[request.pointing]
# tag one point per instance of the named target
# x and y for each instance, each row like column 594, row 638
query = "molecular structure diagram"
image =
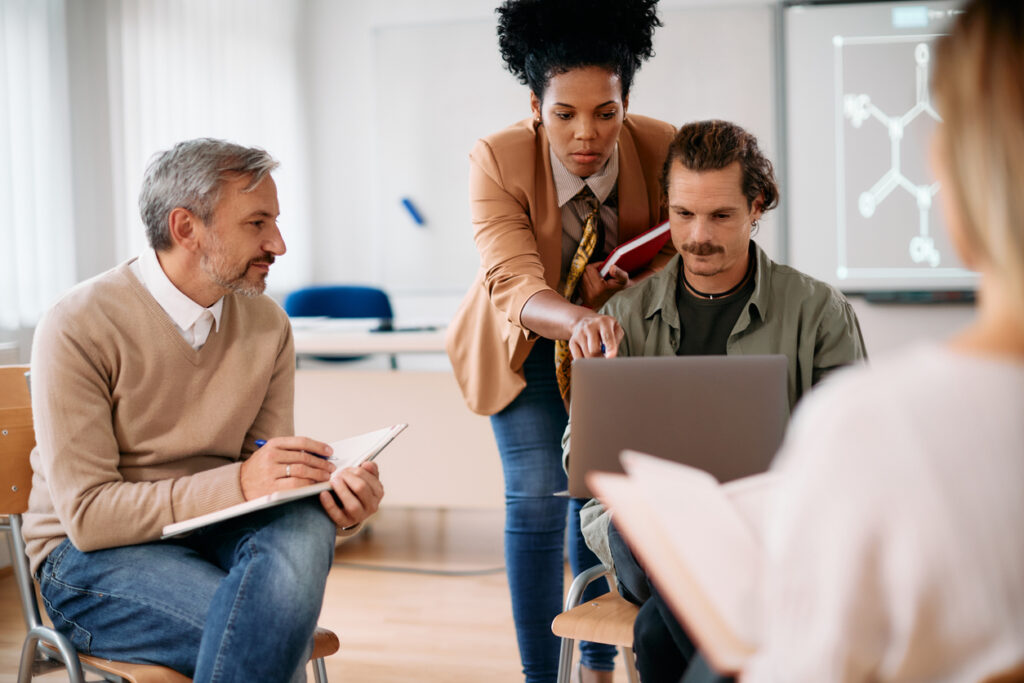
column 858, row 109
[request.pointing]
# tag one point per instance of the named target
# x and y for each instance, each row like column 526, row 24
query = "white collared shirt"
column 602, row 184
column 193, row 321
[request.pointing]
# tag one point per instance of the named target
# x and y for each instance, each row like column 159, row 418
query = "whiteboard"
column 865, row 210
column 441, row 86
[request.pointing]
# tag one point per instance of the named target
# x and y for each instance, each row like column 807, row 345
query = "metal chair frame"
column 573, row 602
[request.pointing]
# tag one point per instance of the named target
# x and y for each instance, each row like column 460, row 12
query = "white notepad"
column 347, row 453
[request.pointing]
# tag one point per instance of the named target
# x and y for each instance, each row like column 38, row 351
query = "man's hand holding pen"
column 292, row 461
column 285, row 462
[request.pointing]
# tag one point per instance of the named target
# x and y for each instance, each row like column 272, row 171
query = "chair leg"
column 319, row 671
column 565, row 660
column 66, row 650
column 630, row 661
column 572, row 599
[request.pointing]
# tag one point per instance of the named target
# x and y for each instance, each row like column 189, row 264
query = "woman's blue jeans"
column 529, row 435
column 237, row 601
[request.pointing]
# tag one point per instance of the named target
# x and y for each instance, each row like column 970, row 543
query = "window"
column 172, row 71
column 37, row 237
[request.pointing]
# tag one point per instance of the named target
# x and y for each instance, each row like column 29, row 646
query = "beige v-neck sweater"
column 135, row 429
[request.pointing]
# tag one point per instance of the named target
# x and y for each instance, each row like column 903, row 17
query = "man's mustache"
column 702, row 248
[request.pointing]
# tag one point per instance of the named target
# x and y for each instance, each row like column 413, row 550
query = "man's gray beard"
column 239, row 285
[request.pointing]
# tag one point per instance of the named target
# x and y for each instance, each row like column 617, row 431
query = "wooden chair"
column 608, row 619
column 44, row 648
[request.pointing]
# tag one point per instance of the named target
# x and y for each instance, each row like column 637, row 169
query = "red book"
column 635, row 254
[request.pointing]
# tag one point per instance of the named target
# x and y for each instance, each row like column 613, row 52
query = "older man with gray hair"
column 152, row 384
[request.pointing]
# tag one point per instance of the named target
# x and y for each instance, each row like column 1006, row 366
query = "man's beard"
column 215, row 264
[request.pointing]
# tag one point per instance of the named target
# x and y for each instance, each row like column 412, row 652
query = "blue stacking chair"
column 342, row 301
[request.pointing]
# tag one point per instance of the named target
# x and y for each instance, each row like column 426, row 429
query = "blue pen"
column 260, row 443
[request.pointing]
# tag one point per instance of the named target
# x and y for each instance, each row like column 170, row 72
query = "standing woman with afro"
column 564, row 186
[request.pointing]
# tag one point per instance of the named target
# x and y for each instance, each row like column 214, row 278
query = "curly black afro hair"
column 542, row 38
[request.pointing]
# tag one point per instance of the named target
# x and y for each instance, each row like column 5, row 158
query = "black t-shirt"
column 706, row 323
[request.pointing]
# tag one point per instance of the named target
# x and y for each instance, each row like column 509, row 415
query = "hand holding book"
column 701, row 542
column 636, row 254
column 595, row 289
column 346, row 453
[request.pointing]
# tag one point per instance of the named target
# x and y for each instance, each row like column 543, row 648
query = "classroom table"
column 447, row 458
column 357, row 337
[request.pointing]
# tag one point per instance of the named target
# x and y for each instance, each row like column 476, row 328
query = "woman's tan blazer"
column 517, row 226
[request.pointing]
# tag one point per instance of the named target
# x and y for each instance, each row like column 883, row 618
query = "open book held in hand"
column 347, row 453
column 638, row 252
column 701, row 543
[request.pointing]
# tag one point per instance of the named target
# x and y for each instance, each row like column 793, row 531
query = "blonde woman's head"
column 978, row 85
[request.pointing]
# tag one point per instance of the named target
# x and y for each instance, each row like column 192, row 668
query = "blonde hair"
column 978, row 84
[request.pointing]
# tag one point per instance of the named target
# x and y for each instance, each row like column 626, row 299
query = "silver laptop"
column 723, row 414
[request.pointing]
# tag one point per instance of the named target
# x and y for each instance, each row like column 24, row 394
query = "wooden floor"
column 421, row 597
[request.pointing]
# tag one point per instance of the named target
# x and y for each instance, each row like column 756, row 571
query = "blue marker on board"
column 411, row 208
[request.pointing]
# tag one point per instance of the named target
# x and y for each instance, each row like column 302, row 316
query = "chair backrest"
column 17, row 439
column 339, row 301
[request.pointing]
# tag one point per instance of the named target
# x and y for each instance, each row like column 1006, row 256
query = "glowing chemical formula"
column 858, row 109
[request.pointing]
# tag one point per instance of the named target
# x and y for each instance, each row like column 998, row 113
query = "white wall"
column 887, row 327
column 343, row 113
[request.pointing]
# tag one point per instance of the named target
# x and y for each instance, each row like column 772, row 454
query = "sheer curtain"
column 173, row 71
column 36, row 231
column 200, row 68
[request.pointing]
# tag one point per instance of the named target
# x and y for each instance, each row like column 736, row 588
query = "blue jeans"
column 237, row 601
column 529, row 435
